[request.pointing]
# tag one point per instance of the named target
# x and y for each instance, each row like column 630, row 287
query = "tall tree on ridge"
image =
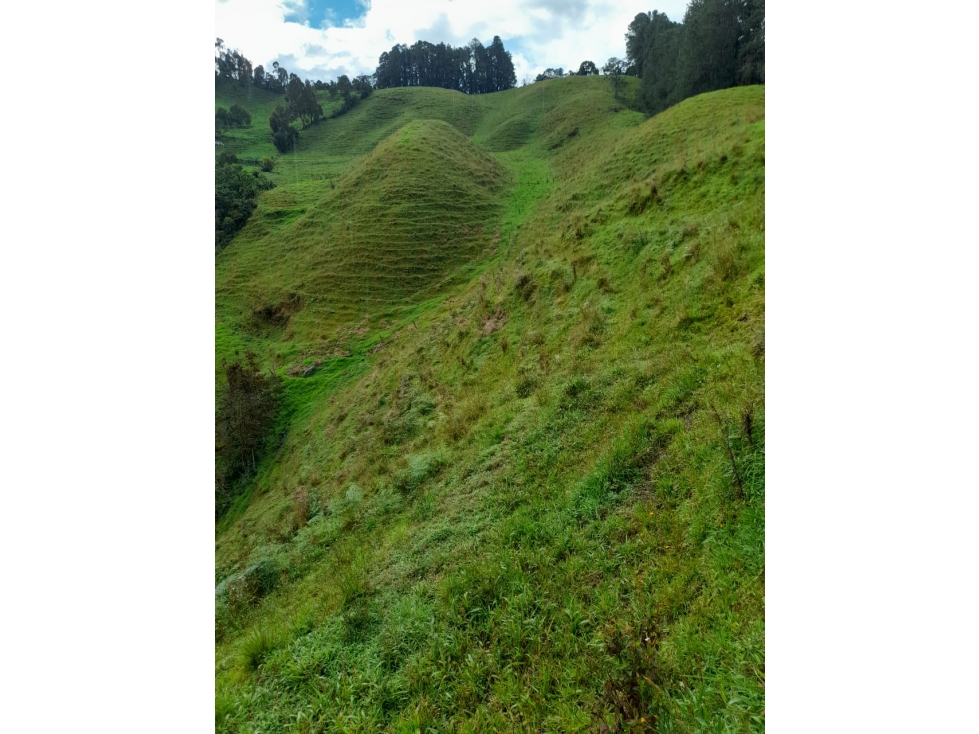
column 751, row 42
column 636, row 41
column 659, row 87
column 614, row 69
column 708, row 51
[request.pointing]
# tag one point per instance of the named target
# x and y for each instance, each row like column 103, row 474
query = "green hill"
column 424, row 200
column 524, row 487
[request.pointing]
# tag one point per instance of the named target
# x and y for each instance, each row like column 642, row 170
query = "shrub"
column 245, row 419
column 235, row 191
column 268, row 164
column 222, row 120
column 238, row 116
column 284, row 135
column 285, row 138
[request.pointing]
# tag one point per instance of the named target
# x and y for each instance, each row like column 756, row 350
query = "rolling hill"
column 521, row 487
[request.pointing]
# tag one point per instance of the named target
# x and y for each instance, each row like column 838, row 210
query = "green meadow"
column 521, row 486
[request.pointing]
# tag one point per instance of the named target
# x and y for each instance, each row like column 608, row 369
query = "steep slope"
column 538, row 504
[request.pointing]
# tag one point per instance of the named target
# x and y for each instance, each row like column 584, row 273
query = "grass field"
column 524, row 488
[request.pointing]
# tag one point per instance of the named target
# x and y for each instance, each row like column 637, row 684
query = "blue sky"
column 324, row 13
column 321, row 39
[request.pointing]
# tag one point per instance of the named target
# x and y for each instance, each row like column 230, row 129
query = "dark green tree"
column 284, row 135
column 708, row 49
column 636, row 41
column 344, row 87
column 222, row 119
column 476, row 68
column 273, row 82
column 501, row 73
column 587, row 68
column 222, row 69
column 239, row 117
column 362, row 85
column 235, row 191
column 243, row 70
column 279, row 118
column 751, row 42
column 301, row 102
column 614, row 69
column 549, row 74
column 285, row 138
column 659, row 87
column 244, row 423
column 345, row 90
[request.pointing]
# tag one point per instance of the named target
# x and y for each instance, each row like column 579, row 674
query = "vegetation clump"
column 246, row 415
column 237, row 116
column 719, row 44
column 472, row 69
column 235, row 191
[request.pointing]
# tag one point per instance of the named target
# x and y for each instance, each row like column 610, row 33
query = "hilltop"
column 522, row 484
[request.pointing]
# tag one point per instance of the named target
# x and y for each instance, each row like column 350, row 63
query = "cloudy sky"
column 321, row 39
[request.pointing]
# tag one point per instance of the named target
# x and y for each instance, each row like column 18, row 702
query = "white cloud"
column 539, row 33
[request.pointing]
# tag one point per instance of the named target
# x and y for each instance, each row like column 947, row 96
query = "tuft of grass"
column 257, row 646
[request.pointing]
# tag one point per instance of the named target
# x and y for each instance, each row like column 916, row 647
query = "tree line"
column 301, row 104
column 231, row 65
column 300, row 95
column 587, row 68
column 719, row 44
column 472, row 69
column 237, row 116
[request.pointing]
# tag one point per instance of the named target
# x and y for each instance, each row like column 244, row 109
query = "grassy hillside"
column 422, row 201
column 258, row 298
column 524, row 490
